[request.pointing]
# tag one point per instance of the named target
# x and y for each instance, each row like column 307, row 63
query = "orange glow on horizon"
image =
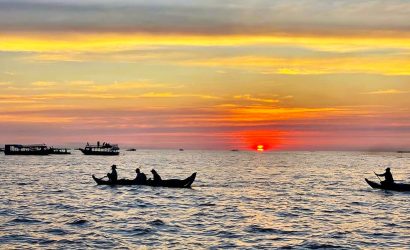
column 263, row 140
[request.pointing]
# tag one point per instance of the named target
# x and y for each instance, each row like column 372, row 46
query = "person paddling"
column 141, row 178
column 113, row 176
column 388, row 177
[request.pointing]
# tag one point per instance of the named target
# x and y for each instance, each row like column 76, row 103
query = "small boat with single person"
column 401, row 187
column 101, row 149
column 173, row 183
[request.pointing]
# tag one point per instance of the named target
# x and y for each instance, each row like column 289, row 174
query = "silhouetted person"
column 141, row 178
column 388, row 177
column 113, row 176
column 157, row 179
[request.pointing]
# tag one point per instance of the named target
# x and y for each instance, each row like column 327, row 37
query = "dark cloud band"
column 208, row 17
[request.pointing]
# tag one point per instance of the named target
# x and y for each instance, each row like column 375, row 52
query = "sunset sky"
column 209, row 74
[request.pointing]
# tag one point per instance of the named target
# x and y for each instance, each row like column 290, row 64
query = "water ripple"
column 78, row 222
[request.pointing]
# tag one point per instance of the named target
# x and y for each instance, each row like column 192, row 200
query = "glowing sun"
column 259, row 148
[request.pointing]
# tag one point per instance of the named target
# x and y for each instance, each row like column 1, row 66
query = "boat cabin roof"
column 112, row 146
column 27, row 146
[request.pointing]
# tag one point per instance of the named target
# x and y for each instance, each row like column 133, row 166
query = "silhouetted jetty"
column 101, row 149
column 33, row 149
column 403, row 151
column 131, row 149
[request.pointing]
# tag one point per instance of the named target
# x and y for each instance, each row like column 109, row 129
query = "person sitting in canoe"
column 157, row 179
column 141, row 178
column 388, row 177
column 113, row 176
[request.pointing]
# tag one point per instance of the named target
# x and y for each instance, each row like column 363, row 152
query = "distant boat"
column 33, row 149
column 131, row 149
column 181, row 149
column 101, row 149
column 234, row 150
column 59, row 151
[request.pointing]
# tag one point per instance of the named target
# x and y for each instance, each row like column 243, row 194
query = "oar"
column 377, row 176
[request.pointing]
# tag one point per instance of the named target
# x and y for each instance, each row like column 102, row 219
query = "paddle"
column 102, row 177
column 377, row 176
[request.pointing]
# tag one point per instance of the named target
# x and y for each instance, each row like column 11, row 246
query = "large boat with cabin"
column 19, row 149
column 101, row 149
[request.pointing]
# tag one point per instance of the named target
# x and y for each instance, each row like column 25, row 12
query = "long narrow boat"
column 33, row 149
column 401, row 187
column 174, row 183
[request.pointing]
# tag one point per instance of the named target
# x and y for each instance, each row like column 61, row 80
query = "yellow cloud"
column 254, row 99
column 173, row 95
column 128, row 86
column 280, row 65
column 43, row 84
column 117, row 42
column 80, row 83
column 387, row 92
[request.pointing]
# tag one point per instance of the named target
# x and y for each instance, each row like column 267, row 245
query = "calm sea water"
column 291, row 200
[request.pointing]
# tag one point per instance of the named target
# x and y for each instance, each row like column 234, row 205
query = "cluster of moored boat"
column 43, row 149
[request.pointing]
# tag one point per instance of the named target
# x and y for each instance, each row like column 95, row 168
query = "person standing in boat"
column 141, row 178
column 113, row 176
column 388, row 177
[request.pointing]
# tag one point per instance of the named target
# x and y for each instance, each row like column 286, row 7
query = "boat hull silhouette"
column 92, row 152
column 400, row 187
column 174, row 183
